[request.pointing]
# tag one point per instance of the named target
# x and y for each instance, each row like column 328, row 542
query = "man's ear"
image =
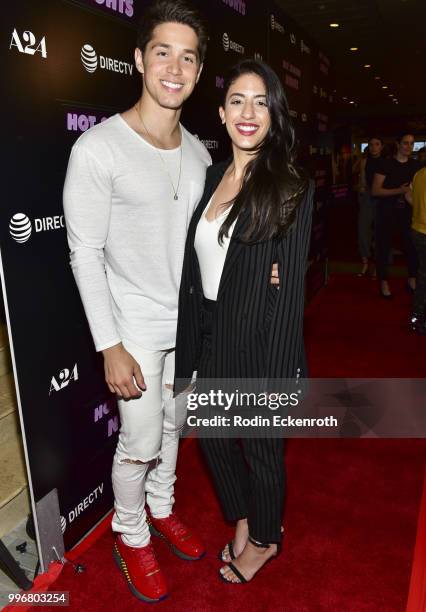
column 199, row 72
column 139, row 60
column 222, row 114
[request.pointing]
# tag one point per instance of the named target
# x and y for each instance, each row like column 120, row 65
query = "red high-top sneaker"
column 181, row 540
column 141, row 570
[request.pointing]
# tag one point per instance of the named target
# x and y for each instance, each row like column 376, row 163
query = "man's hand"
column 121, row 372
column 275, row 279
column 405, row 188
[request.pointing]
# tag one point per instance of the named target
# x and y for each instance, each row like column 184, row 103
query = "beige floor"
column 27, row 560
column 14, row 498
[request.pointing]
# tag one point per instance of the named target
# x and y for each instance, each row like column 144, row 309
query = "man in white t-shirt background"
column 132, row 184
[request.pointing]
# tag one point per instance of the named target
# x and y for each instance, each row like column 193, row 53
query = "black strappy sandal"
column 230, row 551
column 236, row 571
column 238, row 574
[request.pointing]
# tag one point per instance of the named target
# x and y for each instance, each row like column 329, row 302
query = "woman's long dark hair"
column 272, row 187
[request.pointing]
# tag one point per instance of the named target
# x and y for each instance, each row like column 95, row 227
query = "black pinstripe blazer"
column 257, row 329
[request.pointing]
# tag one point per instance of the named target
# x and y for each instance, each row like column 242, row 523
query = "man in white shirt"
column 132, row 184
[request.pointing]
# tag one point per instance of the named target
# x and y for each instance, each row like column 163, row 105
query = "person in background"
column 367, row 203
column 390, row 184
column 421, row 156
column 417, row 198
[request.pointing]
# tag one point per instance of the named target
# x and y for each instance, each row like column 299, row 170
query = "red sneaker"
column 181, row 540
column 141, row 570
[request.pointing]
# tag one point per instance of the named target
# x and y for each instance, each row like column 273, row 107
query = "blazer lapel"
column 235, row 245
column 211, row 183
column 235, row 249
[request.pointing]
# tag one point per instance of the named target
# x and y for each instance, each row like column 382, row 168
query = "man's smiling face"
column 170, row 64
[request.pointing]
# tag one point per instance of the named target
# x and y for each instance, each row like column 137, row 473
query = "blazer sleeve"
column 285, row 341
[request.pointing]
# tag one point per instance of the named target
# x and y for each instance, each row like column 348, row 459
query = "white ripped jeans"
column 144, row 463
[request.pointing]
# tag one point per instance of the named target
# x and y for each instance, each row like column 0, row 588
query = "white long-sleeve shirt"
column 127, row 234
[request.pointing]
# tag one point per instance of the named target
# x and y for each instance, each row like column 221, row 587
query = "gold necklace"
column 175, row 191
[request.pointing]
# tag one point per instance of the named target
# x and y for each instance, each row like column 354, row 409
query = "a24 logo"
column 64, row 378
column 28, row 43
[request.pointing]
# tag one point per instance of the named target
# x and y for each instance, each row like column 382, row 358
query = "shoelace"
column 147, row 558
column 174, row 524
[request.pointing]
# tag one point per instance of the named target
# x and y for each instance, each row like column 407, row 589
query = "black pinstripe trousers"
column 249, row 474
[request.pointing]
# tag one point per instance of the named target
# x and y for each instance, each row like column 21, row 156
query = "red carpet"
column 352, row 505
column 352, row 332
column 417, row 594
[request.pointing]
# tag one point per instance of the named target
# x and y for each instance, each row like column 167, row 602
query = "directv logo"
column 63, row 524
column 91, row 61
column 89, row 58
column 275, row 24
column 20, row 227
column 225, row 40
column 231, row 44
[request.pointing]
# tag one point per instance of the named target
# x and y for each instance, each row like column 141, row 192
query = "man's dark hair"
column 402, row 135
column 376, row 138
column 172, row 11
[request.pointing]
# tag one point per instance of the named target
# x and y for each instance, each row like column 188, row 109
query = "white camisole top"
column 211, row 255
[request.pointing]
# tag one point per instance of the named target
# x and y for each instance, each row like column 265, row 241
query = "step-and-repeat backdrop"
column 68, row 65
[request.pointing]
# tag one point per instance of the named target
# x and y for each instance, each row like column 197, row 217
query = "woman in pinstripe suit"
column 255, row 211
